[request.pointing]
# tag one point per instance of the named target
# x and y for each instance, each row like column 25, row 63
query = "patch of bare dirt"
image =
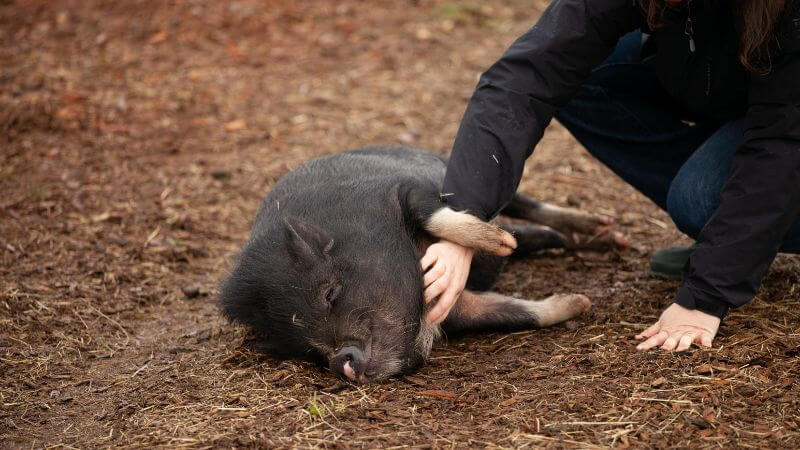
column 136, row 141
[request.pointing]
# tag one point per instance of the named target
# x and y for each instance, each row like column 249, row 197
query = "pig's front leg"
column 484, row 311
column 459, row 227
column 469, row 231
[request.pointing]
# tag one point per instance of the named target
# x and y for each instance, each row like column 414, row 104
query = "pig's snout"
column 349, row 362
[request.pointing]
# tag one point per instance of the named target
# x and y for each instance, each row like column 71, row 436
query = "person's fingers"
column 651, row 330
column 671, row 341
column 427, row 260
column 685, row 342
column 438, row 313
column 449, row 297
column 436, row 288
column 706, row 339
column 435, row 272
column 654, row 341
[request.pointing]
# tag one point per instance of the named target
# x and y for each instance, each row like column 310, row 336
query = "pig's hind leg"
column 580, row 230
column 485, row 311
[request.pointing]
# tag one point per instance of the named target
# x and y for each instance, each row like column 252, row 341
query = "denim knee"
column 691, row 202
column 694, row 193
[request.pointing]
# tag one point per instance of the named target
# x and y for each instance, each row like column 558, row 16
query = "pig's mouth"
column 364, row 366
column 354, row 362
column 349, row 372
column 367, row 361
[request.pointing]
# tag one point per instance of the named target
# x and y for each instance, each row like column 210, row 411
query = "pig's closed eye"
column 330, row 293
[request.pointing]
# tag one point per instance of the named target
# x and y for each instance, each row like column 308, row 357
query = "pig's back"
column 352, row 186
column 369, row 166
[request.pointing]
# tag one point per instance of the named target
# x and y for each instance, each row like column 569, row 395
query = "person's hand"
column 678, row 328
column 446, row 267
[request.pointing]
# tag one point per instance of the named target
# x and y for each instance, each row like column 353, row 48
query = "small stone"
column 571, row 325
column 406, row 138
column 191, row 291
column 423, row 34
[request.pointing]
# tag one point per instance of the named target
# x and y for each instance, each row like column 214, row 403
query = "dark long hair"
column 757, row 20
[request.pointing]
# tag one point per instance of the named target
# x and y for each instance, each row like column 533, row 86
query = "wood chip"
column 703, row 369
column 658, row 382
column 444, row 395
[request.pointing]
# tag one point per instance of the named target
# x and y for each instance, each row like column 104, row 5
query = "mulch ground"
column 136, row 141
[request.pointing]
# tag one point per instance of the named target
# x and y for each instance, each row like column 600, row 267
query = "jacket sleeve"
column 759, row 202
column 517, row 96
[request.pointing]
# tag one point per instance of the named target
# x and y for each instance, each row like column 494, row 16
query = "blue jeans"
column 625, row 119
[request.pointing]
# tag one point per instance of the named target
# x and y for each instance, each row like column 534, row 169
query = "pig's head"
column 354, row 305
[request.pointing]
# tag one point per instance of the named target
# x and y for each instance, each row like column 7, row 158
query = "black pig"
column 331, row 270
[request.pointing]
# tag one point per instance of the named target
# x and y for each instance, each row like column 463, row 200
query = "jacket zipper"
column 688, row 29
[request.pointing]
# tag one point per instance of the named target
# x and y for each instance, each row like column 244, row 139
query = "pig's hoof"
column 584, row 222
column 604, row 239
column 560, row 307
column 501, row 244
column 573, row 303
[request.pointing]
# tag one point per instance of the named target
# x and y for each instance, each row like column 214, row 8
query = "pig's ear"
column 307, row 242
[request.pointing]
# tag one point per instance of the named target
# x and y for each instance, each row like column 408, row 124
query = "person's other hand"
column 678, row 328
column 446, row 267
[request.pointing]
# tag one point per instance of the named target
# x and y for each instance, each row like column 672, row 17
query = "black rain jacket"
column 517, row 96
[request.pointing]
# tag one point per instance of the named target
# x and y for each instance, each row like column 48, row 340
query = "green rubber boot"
column 668, row 262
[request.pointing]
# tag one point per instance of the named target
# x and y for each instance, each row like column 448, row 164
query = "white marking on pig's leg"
column 428, row 334
column 493, row 310
column 469, row 231
column 558, row 308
